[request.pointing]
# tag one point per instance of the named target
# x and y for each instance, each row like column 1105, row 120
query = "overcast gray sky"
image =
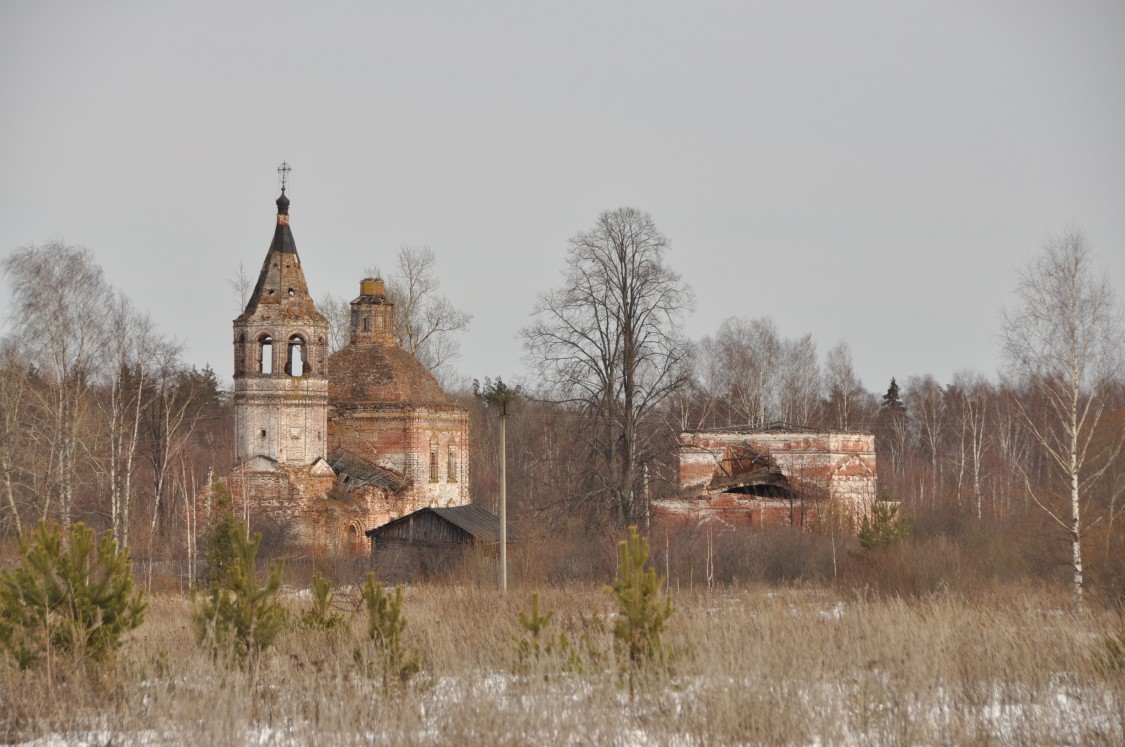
column 875, row 171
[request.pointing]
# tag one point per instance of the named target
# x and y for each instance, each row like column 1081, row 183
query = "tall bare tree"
column 969, row 396
column 926, row 399
column 608, row 343
column 426, row 324
column 60, row 300
column 801, row 381
column 338, row 312
column 15, row 417
column 847, row 404
column 1063, row 340
column 129, row 343
column 750, row 353
column 171, row 417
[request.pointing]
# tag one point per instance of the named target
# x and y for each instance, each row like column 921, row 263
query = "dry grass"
column 754, row 666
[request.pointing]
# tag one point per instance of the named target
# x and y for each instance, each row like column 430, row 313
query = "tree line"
column 102, row 420
column 1035, row 450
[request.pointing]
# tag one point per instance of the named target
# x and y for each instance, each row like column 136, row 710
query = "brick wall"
column 833, row 471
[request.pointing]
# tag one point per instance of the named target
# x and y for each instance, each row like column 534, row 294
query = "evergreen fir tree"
column 891, row 400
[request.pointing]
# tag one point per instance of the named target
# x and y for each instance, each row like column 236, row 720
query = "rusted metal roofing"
column 777, row 426
column 353, row 471
column 477, row 521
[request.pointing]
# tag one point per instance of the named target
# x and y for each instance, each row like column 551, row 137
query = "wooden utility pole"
column 503, row 496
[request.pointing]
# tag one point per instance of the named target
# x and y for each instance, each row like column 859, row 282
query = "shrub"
column 68, row 595
column 241, row 618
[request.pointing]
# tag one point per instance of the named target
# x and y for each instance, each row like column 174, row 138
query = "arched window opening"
column 265, row 355
column 366, row 322
column 451, row 466
column 355, row 536
column 295, row 357
column 434, row 476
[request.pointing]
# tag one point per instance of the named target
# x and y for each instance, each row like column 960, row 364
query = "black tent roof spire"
column 282, row 236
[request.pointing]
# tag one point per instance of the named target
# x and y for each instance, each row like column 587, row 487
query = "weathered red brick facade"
column 331, row 446
column 772, row 477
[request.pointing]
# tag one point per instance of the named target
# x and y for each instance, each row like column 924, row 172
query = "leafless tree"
column 60, row 302
column 749, row 355
column 15, row 396
column 130, row 340
column 240, row 285
column 846, row 394
column 426, row 323
column 925, row 398
column 1063, row 340
column 171, row 418
column 970, row 395
column 338, row 312
column 801, row 382
column 608, row 344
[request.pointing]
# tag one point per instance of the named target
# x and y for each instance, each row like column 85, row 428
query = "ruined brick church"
column 329, row 446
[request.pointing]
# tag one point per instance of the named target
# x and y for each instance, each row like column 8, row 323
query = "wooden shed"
column 433, row 541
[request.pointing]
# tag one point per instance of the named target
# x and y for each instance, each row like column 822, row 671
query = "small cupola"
column 372, row 317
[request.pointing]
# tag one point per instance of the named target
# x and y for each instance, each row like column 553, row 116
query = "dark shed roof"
column 477, row 521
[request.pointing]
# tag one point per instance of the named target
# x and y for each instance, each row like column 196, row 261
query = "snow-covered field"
column 745, row 667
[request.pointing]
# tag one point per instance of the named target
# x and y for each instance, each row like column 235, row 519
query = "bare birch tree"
column 750, row 353
column 608, row 343
column 926, row 399
column 847, row 399
column 171, row 418
column 969, row 393
column 801, row 381
column 15, row 398
column 338, row 312
column 60, row 301
column 129, row 342
column 1063, row 340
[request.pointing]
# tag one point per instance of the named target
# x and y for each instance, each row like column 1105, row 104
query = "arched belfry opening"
column 265, row 354
column 296, row 357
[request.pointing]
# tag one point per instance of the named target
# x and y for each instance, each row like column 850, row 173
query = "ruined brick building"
column 329, row 446
column 774, row 476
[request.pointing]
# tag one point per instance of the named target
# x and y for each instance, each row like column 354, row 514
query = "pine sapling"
column 385, row 625
column 321, row 616
column 887, row 527
column 240, row 617
column 537, row 646
column 69, row 596
column 642, row 608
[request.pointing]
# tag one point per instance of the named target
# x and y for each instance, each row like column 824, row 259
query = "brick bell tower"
column 280, row 358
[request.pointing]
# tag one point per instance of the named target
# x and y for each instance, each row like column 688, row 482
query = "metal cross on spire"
column 283, row 173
